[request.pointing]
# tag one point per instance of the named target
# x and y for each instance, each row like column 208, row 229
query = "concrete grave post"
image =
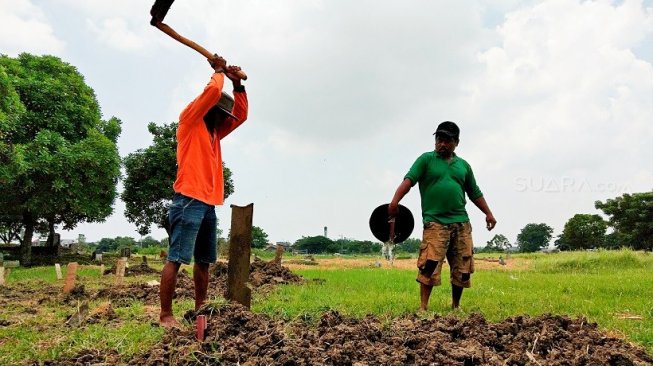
column 101, row 270
column 71, row 274
column 2, row 275
column 278, row 254
column 57, row 269
column 120, row 270
column 239, row 253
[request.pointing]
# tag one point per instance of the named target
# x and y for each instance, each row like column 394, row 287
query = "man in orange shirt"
column 199, row 186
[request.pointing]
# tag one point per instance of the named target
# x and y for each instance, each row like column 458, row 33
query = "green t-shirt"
column 442, row 187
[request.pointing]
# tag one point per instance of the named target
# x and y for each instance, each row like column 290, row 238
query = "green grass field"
column 613, row 289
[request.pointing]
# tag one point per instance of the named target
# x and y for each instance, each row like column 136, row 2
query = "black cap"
column 448, row 128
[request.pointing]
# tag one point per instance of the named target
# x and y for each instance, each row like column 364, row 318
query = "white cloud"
column 565, row 74
column 25, row 28
column 563, row 98
column 116, row 33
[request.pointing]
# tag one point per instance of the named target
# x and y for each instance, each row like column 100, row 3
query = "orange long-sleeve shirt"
column 199, row 160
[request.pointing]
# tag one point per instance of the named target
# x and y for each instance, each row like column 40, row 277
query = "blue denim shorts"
column 193, row 225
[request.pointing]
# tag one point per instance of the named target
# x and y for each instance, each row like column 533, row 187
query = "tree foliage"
column 259, row 237
column 498, row 243
column 149, row 241
column 61, row 160
column 314, row 244
column 410, row 245
column 321, row 244
column 150, row 174
column 583, row 231
column 534, row 237
column 631, row 216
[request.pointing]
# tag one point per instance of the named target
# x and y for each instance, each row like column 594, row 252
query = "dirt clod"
column 139, row 270
column 261, row 274
column 236, row 336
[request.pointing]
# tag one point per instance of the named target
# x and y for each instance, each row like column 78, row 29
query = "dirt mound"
column 86, row 357
column 141, row 269
column 262, row 274
column 236, row 336
column 37, row 293
column 123, row 295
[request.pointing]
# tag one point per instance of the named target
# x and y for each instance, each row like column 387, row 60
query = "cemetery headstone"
column 57, row 269
column 71, row 275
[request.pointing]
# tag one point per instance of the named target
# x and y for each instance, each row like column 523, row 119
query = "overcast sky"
column 554, row 99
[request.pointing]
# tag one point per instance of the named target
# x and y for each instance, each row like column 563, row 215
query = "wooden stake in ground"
column 278, row 254
column 2, row 275
column 101, row 270
column 200, row 327
column 57, row 269
column 239, row 252
column 120, row 270
column 71, row 275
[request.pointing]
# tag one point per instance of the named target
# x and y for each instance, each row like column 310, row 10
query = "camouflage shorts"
column 453, row 241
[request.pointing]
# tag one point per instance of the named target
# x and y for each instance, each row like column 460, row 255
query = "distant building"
column 285, row 244
column 66, row 243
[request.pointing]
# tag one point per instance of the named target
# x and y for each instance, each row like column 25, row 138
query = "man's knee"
column 429, row 267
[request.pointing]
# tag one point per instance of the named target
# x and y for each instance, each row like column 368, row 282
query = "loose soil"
column 139, row 270
column 341, row 262
column 262, row 276
column 236, row 336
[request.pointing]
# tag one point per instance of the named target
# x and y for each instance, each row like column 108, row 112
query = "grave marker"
column 71, row 274
column 57, row 269
column 239, row 253
column 120, row 271
column 278, row 254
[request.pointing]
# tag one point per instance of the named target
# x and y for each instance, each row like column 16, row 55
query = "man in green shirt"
column 443, row 179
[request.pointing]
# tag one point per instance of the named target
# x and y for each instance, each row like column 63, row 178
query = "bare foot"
column 169, row 322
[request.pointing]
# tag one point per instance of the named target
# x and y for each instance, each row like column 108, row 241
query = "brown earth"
column 139, row 270
column 236, row 336
column 343, row 262
column 262, row 275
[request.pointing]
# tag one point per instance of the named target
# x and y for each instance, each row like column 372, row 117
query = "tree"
column 313, row 244
column 367, row 247
column 11, row 108
column 534, row 237
column 60, row 160
column 125, row 242
column 498, row 243
column 149, row 241
column 259, row 237
column 584, row 231
column 10, row 230
column 107, row 245
column 631, row 216
column 410, row 245
column 561, row 244
column 150, row 174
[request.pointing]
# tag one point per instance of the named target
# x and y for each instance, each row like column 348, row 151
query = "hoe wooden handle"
column 203, row 51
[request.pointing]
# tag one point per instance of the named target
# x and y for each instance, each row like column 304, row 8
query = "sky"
column 554, row 99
